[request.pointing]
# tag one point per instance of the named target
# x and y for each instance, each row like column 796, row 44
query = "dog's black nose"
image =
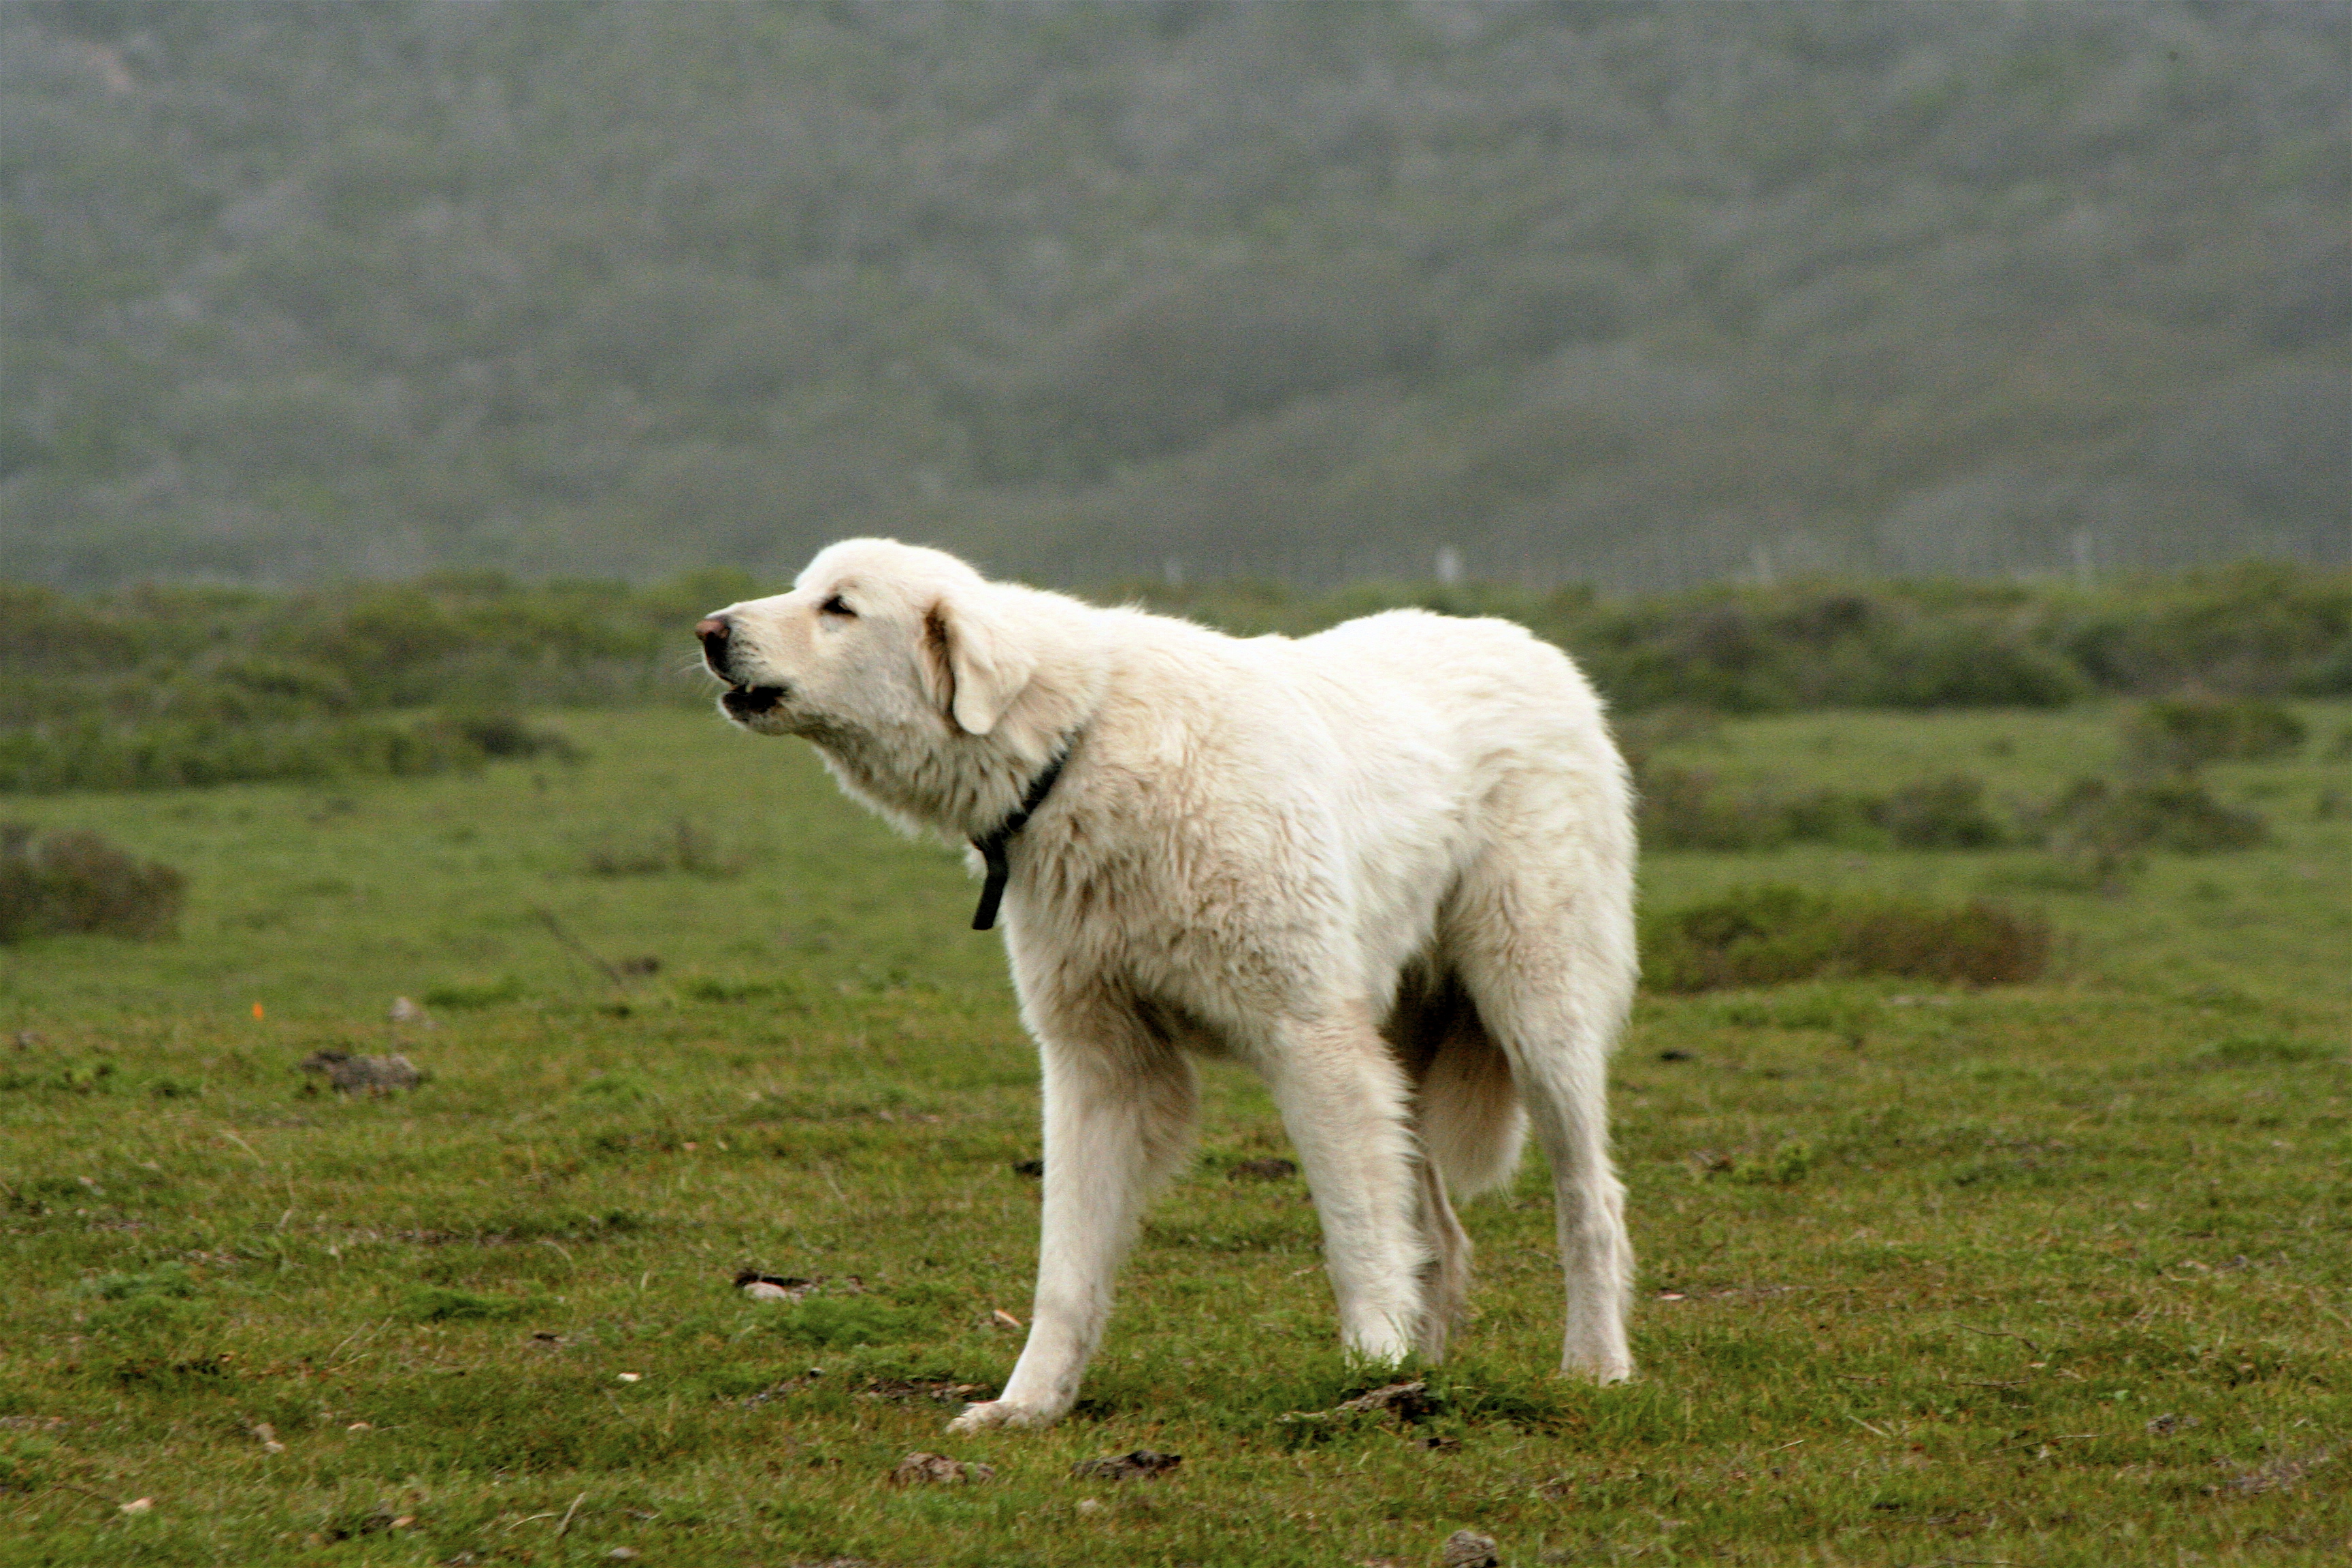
column 713, row 631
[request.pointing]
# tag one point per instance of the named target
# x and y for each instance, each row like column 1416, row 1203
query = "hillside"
column 1641, row 295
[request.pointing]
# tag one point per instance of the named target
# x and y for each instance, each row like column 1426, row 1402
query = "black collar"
column 992, row 846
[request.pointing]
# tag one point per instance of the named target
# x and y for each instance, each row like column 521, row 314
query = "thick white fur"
column 1390, row 866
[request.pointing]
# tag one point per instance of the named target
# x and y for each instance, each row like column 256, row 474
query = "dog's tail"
column 1472, row 1124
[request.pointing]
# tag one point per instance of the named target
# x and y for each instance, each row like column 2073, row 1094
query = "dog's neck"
column 969, row 794
column 926, row 773
column 995, row 844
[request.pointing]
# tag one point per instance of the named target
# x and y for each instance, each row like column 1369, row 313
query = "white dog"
column 1390, row 866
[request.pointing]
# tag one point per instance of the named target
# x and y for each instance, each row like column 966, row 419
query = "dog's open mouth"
column 743, row 701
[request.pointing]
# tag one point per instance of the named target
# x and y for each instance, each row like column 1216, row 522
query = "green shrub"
column 1689, row 808
column 1773, row 934
column 2093, row 819
column 502, row 734
column 80, row 882
column 1939, row 813
column 2181, row 734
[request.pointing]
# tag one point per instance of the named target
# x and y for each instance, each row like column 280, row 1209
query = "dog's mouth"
column 745, row 701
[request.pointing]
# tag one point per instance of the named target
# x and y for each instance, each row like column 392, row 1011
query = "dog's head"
column 875, row 640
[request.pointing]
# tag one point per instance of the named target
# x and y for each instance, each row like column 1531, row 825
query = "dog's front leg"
column 1119, row 1119
column 1344, row 1102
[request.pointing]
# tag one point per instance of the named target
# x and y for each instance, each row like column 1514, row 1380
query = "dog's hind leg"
column 1119, row 1121
column 1470, row 1126
column 1346, row 1105
column 1445, row 1279
column 1548, row 961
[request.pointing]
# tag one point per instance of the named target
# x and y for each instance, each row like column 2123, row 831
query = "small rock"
column 761, row 1286
column 1126, row 1467
column 1469, row 1549
column 630, row 1376
column 622, row 1554
column 1090, row 1505
column 920, row 1468
column 405, row 1011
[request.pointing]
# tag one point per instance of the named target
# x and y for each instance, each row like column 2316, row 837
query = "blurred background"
column 1641, row 296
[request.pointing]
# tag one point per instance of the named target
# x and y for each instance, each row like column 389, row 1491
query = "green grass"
column 2057, row 1274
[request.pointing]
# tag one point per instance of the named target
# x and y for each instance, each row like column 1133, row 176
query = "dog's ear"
column 974, row 662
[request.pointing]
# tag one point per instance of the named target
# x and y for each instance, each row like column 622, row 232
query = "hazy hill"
column 1642, row 294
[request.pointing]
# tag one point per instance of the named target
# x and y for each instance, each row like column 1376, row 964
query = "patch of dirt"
column 1126, row 1467
column 1406, row 1403
column 919, row 1469
column 786, row 1389
column 349, row 1074
column 899, row 1390
column 2279, row 1475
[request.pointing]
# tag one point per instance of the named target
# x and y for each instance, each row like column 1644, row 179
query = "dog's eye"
column 837, row 605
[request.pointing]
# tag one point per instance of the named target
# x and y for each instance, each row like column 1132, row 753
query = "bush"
column 2095, row 819
column 1773, row 934
column 2182, row 734
column 1939, row 813
column 80, row 882
column 91, row 753
column 500, row 736
column 1689, row 808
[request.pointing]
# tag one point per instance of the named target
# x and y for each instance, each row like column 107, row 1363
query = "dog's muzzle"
column 744, row 702
column 740, row 702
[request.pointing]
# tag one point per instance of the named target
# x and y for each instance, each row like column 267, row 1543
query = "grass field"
column 2054, row 1273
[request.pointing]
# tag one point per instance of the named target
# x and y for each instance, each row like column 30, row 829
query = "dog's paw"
column 1001, row 1412
column 1602, row 1370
